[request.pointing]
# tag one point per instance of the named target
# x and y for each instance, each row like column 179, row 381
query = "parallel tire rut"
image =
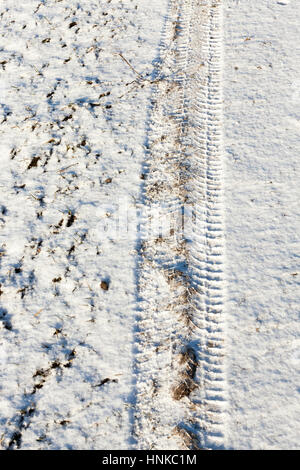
column 181, row 392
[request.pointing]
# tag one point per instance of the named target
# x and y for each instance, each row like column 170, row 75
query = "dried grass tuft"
column 188, row 364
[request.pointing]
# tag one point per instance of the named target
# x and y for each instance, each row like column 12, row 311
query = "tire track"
column 181, row 392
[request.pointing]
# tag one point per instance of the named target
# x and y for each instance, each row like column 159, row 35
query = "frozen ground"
column 262, row 124
column 114, row 338
column 72, row 147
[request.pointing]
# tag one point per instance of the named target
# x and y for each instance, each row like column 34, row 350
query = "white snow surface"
column 262, row 193
column 75, row 106
column 52, row 304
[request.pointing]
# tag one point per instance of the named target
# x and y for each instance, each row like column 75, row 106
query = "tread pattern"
column 181, row 386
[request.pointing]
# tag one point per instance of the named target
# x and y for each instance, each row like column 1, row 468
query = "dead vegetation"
column 188, row 367
column 107, row 380
column 188, row 438
column 51, row 150
column 166, row 178
column 40, row 378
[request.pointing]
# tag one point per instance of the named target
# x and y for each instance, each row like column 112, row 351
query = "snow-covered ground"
column 262, row 126
column 72, row 147
column 114, row 334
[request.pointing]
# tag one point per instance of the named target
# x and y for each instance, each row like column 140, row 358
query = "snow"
column 261, row 117
column 42, row 320
column 94, row 100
